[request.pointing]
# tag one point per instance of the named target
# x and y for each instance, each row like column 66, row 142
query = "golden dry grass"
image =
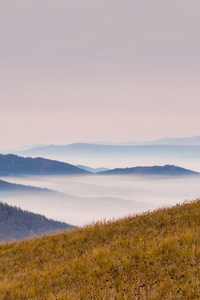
column 151, row 256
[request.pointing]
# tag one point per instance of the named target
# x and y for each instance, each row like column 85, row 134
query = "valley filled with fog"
column 83, row 199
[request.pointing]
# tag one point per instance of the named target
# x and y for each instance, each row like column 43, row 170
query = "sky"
column 87, row 71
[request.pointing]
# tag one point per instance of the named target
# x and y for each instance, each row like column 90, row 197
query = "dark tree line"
column 17, row 224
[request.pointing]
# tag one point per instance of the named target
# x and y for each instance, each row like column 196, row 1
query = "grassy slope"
column 152, row 256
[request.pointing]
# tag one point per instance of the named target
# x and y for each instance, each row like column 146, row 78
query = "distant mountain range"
column 80, row 152
column 17, row 224
column 7, row 187
column 185, row 141
column 167, row 170
column 177, row 151
column 15, row 165
column 92, row 170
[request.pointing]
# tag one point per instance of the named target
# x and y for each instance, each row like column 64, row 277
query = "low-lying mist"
column 92, row 198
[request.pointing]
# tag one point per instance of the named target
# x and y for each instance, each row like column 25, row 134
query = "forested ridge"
column 12, row 164
column 17, row 224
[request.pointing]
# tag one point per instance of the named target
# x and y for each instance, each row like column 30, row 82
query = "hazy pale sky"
column 93, row 70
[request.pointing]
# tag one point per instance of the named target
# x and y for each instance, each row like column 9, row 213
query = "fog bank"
column 92, row 198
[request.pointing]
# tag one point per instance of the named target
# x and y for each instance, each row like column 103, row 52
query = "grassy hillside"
column 17, row 224
column 151, row 256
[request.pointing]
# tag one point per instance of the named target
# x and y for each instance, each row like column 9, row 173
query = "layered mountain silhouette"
column 7, row 187
column 17, row 224
column 185, row 141
column 92, row 170
column 167, row 170
column 15, row 165
column 81, row 152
